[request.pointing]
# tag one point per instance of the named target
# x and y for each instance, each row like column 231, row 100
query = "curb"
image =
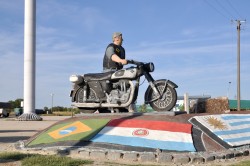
column 140, row 157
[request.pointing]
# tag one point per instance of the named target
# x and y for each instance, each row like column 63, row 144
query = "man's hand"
column 124, row 61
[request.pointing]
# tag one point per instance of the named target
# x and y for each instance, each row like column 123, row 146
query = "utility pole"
column 229, row 83
column 238, row 62
column 52, row 101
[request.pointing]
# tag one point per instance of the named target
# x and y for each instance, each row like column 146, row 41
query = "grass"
column 14, row 156
column 57, row 113
column 242, row 163
column 41, row 160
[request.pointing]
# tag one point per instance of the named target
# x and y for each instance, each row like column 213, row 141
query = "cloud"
column 87, row 18
column 92, row 18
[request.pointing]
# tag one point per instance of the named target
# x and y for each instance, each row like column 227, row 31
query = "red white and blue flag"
column 151, row 134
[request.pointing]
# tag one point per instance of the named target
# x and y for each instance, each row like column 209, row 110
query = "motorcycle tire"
column 168, row 99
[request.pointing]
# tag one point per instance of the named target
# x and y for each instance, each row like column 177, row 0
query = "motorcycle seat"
column 98, row 76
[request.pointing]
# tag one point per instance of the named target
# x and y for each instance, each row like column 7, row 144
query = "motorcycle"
column 115, row 91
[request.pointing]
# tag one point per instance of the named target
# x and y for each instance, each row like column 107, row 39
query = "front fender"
column 170, row 83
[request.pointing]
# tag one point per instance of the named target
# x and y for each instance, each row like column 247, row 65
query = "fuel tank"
column 128, row 73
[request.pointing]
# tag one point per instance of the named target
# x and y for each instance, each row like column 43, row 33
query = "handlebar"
column 149, row 67
column 135, row 62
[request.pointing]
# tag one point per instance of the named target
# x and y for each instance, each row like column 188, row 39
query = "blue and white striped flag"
column 234, row 129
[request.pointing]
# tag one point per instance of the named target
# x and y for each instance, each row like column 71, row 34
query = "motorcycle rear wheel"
column 80, row 95
column 168, row 99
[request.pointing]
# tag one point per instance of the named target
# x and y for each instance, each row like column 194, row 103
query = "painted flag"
column 71, row 129
column 233, row 129
column 151, row 134
column 82, row 130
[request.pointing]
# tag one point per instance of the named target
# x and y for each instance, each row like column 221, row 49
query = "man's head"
column 117, row 38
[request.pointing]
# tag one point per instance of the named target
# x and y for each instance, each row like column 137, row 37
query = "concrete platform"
column 168, row 113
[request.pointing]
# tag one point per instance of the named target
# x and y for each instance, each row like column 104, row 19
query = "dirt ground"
column 12, row 131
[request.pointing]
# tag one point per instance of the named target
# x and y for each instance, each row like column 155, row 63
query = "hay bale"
column 216, row 105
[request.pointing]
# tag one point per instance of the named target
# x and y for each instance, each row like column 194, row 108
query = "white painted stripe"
column 235, row 135
column 153, row 134
column 225, row 118
column 238, row 143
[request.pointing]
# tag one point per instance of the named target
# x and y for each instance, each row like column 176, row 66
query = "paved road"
column 12, row 131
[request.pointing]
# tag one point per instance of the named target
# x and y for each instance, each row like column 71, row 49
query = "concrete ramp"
column 119, row 132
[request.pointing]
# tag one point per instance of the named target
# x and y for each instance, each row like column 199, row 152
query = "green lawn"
column 42, row 160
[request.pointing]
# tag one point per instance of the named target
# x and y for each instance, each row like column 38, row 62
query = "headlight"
column 149, row 67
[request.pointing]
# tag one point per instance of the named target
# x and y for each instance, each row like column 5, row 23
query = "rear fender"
column 73, row 93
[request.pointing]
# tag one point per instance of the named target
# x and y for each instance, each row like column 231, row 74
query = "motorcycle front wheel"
column 167, row 100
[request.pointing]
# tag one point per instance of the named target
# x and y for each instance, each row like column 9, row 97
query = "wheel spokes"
column 166, row 98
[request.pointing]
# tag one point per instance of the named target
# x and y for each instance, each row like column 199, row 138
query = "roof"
column 244, row 104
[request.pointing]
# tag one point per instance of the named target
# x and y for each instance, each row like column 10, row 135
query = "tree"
column 181, row 107
column 143, row 108
column 16, row 103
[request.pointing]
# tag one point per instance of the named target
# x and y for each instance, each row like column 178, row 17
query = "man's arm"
column 117, row 59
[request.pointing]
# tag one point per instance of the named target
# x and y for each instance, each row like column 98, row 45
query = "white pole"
column 29, row 61
column 186, row 103
column 29, row 56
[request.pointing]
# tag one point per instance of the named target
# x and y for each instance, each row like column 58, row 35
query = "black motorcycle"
column 117, row 90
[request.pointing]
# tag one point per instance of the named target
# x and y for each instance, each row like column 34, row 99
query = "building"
column 5, row 105
column 244, row 104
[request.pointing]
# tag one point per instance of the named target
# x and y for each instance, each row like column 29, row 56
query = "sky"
column 191, row 42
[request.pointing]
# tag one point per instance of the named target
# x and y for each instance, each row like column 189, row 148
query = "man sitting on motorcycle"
column 114, row 57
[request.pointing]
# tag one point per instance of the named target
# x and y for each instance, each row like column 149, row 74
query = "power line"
column 225, row 9
column 236, row 11
column 218, row 11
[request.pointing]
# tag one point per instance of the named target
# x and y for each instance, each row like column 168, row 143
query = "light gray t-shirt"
column 110, row 51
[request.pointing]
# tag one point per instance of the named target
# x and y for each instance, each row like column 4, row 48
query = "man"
column 114, row 57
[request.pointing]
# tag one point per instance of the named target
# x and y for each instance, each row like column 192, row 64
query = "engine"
column 120, row 93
